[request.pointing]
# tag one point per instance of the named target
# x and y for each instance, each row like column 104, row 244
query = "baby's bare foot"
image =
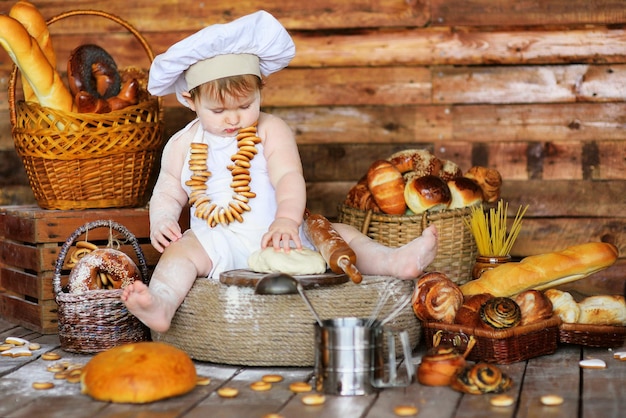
column 146, row 306
column 412, row 259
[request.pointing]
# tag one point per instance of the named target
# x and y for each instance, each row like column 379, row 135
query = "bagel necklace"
column 212, row 213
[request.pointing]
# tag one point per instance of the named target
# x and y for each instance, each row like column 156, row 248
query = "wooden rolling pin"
column 333, row 248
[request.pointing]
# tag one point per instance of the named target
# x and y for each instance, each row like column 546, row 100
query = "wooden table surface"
column 587, row 393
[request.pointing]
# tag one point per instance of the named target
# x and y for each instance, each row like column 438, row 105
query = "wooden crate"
column 30, row 241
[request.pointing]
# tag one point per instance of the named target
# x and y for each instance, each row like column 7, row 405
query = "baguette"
column 35, row 24
column 34, row 66
column 544, row 271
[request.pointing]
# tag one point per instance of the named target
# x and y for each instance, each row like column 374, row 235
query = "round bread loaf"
column 387, row 186
column 464, row 192
column 436, row 298
column 488, row 179
column 564, row 305
column 416, row 162
column 535, row 306
column 138, row 373
column 449, row 170
column 468, row 314
column 427, row 193
column 360, row 197
column 603, row 310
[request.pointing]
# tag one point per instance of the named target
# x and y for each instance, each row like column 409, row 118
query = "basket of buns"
column 511, row 310
column 91, row 314
column 412, row 189
column 92, row 141
column 594, row 321
column 504, row 329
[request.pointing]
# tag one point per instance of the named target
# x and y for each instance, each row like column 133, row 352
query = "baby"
column 239, row 170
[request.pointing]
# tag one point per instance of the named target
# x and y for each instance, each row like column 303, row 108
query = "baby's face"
column 227, row 117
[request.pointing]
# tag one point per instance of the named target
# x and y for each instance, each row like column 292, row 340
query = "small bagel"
column 405, row 410
column 313, row 399
column 272, row 378
column 50, row 356
column 203, row 381
column 43, row 385
column 260, row 386
column 227, row 392
column 300, row 387
column 551, row 400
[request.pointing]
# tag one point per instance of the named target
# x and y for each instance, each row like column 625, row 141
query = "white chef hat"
column 253, row 44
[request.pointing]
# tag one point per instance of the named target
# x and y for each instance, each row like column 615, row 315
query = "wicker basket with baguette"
column 76, row 160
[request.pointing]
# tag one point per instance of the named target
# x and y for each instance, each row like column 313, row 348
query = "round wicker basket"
column 97, row 320
column 233, row 325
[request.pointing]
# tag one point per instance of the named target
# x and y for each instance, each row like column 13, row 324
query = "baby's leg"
column 405, row 262
column 179, row 266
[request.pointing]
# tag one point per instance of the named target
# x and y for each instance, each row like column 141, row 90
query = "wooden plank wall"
column 534, row 89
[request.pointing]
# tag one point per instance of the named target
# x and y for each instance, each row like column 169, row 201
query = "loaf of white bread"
column 36, row 70
column 35, row 24
column 592, row 310
column 544, row 271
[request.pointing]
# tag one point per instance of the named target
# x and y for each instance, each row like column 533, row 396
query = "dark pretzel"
column 91, row 69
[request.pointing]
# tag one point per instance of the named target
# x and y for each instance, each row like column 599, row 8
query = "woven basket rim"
column 517, row 331
column 429, row 214
column 592, row 328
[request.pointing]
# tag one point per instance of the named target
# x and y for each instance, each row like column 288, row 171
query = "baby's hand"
column 282, row 230
column 164, row 233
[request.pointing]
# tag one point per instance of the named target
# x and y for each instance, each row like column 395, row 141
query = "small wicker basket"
column 498, row 346
column 231, row 324
column 604, row 336
column 97, row 320
column 456, row 251
column 87, row 160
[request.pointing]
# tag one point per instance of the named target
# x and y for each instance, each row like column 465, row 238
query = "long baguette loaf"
column 544, row 271
column 34, row 66
column 35, row 24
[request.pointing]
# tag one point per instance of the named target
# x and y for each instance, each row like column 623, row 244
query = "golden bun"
column 602, row 310
column 564, row 305
column 449, row 170
column 464, row 192
column 469, row 312
column 436, row 298
column 535, row 306
column 416, row 162
column 488, row 179
column 427, row 193
column 138, row 373
column 360, row 197
column 387, row 186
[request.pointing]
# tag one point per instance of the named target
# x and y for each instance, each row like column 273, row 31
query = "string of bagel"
column 205, row 209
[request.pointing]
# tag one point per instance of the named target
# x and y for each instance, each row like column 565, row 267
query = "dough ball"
column 294, row 262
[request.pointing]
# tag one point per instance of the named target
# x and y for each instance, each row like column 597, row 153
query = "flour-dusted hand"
column 164, row 233
column 281, row 233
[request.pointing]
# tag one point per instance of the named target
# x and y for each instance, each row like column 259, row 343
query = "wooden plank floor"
column 587, row 393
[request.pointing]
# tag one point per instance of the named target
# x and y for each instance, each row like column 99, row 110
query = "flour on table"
column 294, row 262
